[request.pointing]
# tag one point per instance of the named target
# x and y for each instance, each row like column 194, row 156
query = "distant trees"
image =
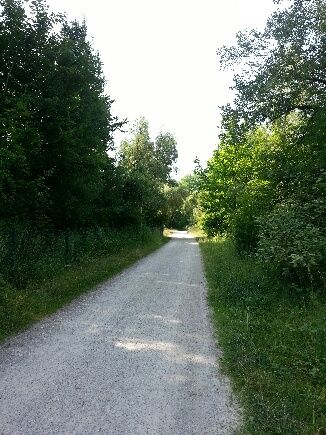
column 153, row 159
column 181, row 202
column 265, row 184
column 146, row 166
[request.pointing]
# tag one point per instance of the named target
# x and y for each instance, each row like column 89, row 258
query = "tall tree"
column 282, row 67
column 265, row 185
column 147, row 166
column 56, row 122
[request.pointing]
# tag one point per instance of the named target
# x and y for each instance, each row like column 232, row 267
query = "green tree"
column 181, row 206
column 282, row 67
column 265, row 185
column 56, row 123
column 22, row 45
column 166, row 155
column 147, row 166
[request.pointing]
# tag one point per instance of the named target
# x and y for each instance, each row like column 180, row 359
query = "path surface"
column 135, row 356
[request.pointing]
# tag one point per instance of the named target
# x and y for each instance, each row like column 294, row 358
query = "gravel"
column 134, row 356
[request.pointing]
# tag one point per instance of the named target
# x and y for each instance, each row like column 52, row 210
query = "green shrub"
column 293, row 244
column 29, row 255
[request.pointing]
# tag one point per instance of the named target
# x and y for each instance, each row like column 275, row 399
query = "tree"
column 166, row 155
column 181, row 205
column 282, row 67
column 265, row 185
column 56, row 124
column 147, row 166
column 267, row 194
column 155, row 159
column 22, row 46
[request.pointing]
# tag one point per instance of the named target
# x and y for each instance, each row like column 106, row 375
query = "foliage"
column 236, row 187
column 98, row 261
column 155, row 160
column 294, row 244
column 265, row 184
column 55, row 119
column 146, row 168
column 182, row 202
column 273, row 343
column 282, row 67
column 29, row 255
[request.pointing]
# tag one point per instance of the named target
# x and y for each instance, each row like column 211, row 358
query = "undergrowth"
column 273, row 342
column 60, row 283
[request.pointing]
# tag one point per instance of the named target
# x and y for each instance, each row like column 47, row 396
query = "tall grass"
column 48, row 270
column 273, row 343
column 30, row 255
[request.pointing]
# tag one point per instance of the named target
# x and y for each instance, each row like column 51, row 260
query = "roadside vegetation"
column 181, row 202
column 75, row 208
column 273, row 343
column 50, row 283
column 265, row 184
column 261, row 202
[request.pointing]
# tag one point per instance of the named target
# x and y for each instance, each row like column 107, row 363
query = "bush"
column 244, row 231
column 29, row 255
column 292, row 242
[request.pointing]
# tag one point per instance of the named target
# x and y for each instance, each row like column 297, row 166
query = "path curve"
column 134, row 356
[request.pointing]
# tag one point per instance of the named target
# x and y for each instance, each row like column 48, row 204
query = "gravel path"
column 135, row 356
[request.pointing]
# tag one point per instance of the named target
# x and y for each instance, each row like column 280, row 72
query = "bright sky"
column 159, row 57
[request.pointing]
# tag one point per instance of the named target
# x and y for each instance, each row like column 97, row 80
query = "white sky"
column 159, row 57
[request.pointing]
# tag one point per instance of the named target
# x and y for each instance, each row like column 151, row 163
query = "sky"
column 159, row 59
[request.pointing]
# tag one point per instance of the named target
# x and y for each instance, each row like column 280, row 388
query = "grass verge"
column 273, row 343
column 21, row 308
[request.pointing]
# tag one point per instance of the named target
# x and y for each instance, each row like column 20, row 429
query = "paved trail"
column 135, row 356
